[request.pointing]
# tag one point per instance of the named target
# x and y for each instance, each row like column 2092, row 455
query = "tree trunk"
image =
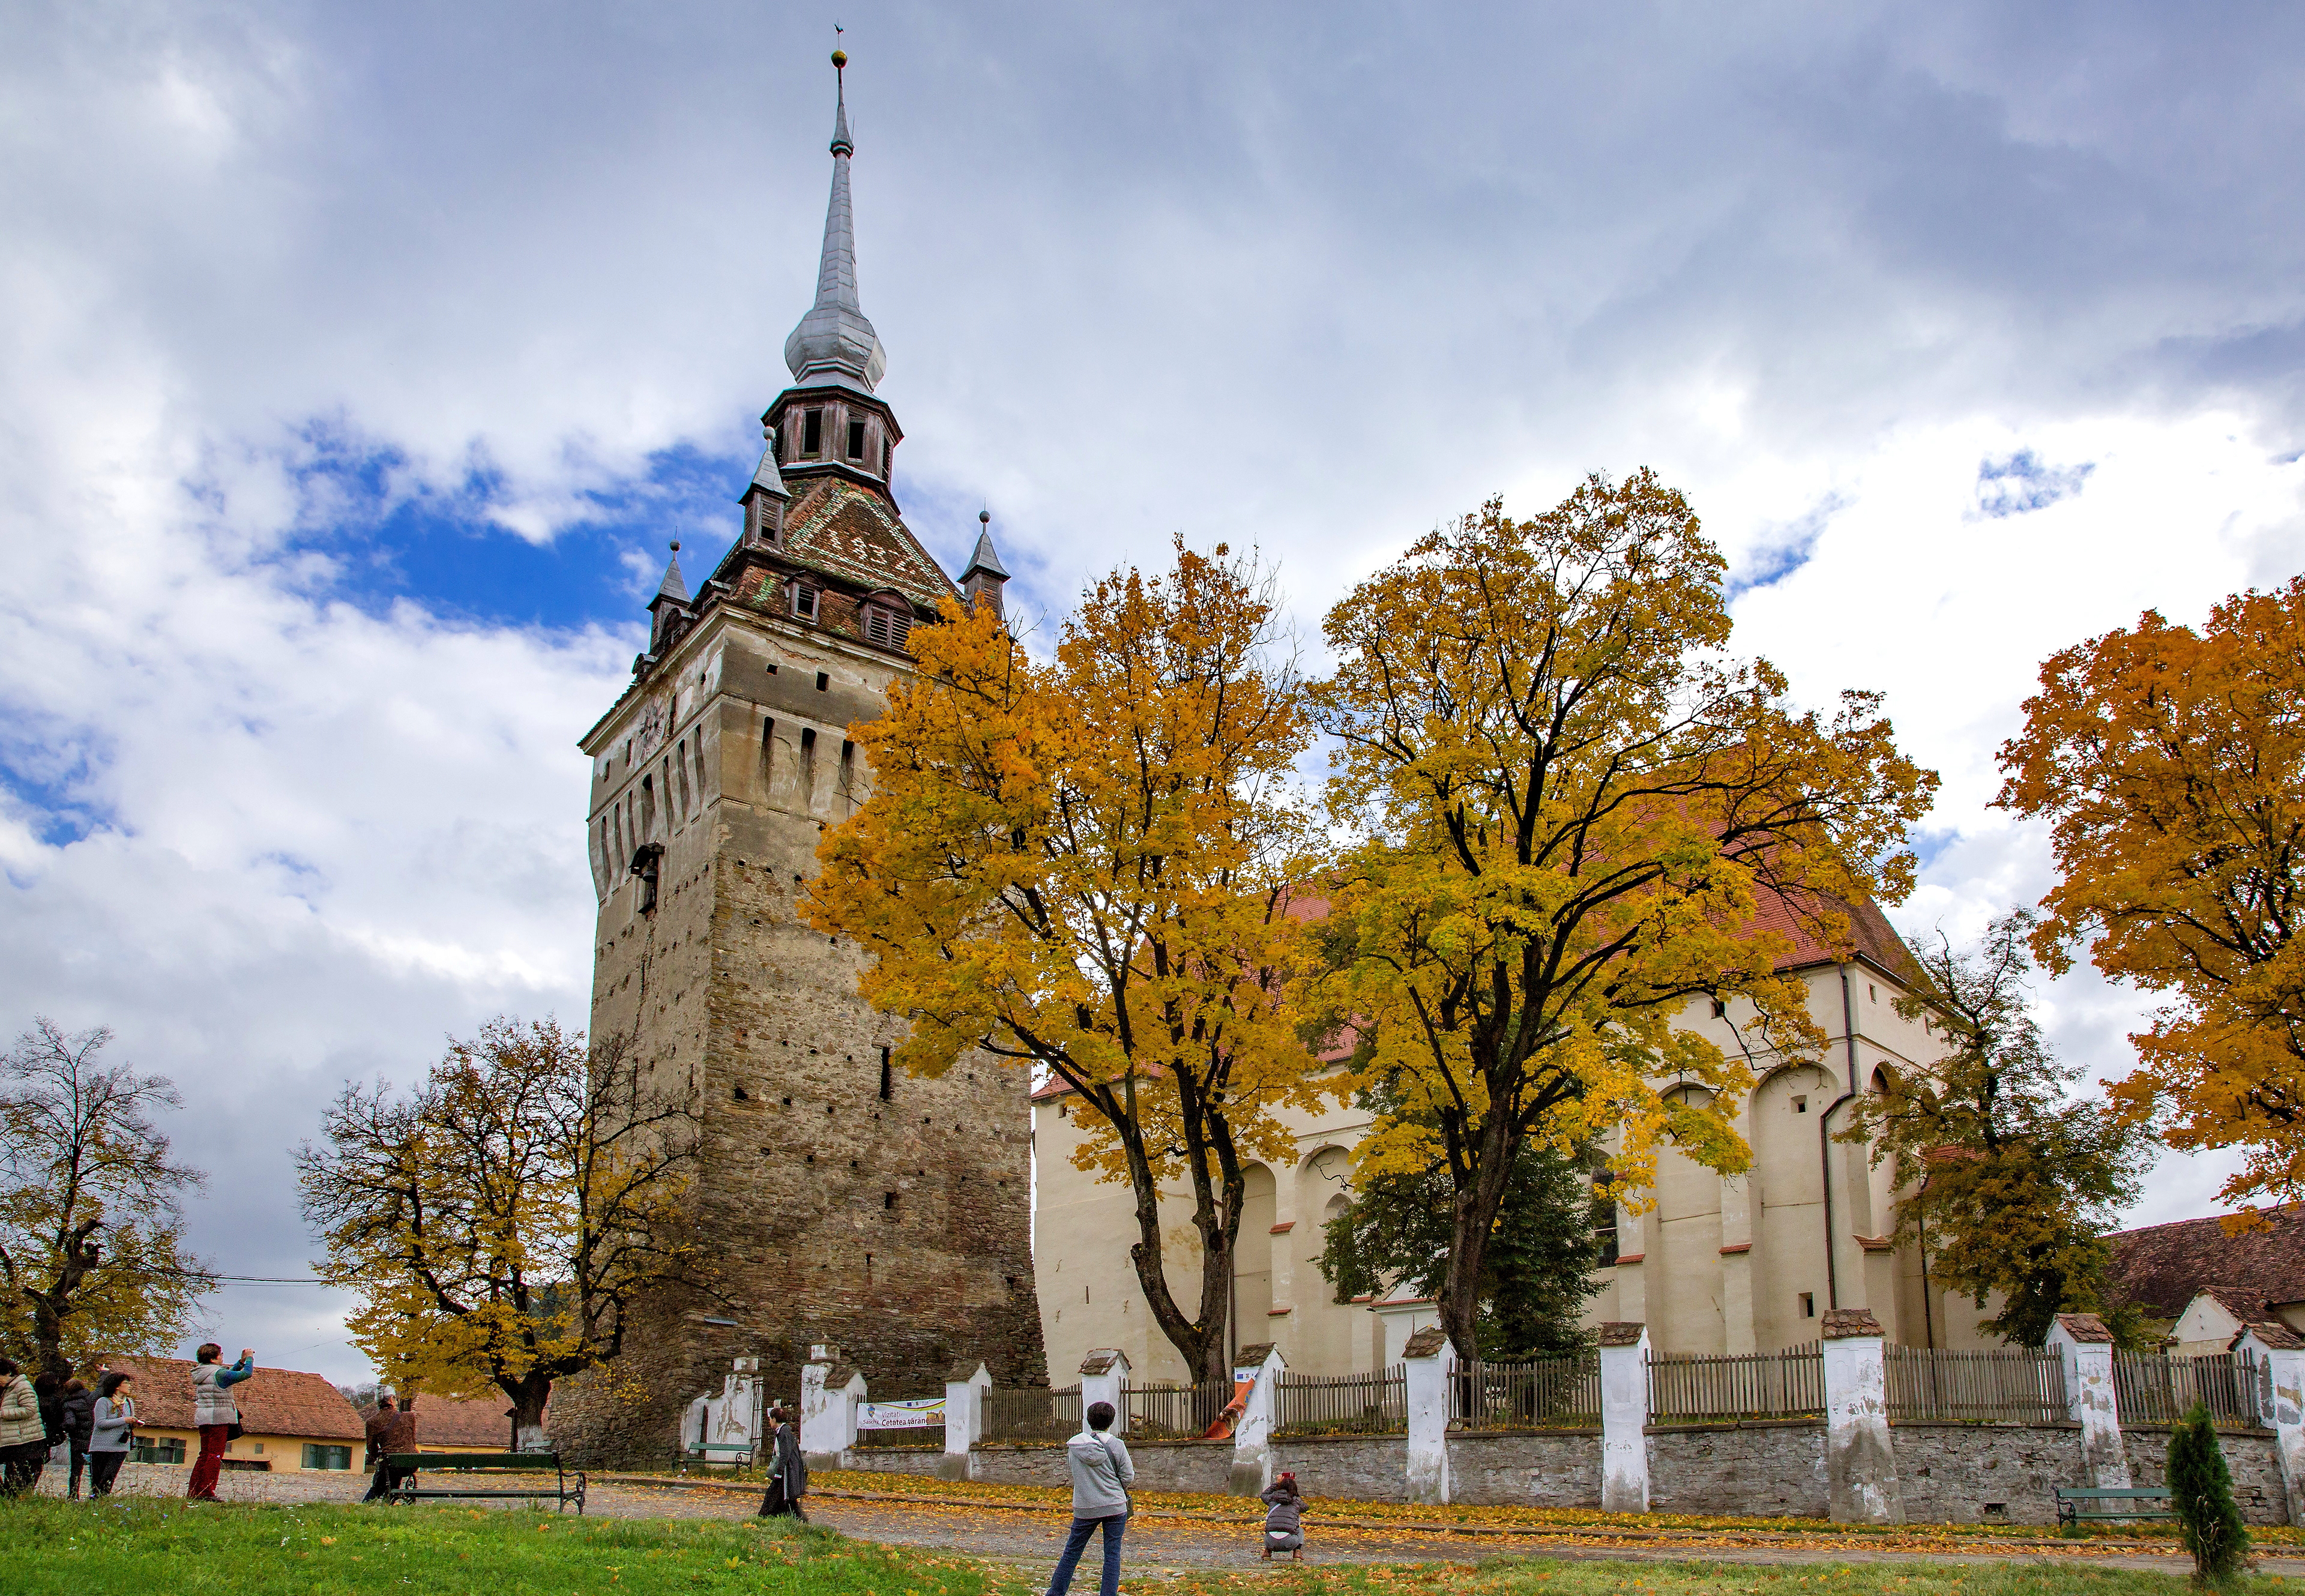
column 529, row 1397
column 1473, row 1218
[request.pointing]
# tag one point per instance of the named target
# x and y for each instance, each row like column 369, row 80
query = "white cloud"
column 1313, row 280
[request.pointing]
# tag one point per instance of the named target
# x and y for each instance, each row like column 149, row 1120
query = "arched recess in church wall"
column 1320, row 1333
column 1790, row 1288
column 1253, row 1255
column 1685, row 1232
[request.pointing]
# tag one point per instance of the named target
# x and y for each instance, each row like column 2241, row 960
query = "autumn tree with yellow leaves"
column 1085, row 865
column 2171, row 766
column 1567, row 804
column 503, row 1221
column 2013, row 1183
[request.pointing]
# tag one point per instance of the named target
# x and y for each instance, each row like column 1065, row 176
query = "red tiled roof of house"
column 2161, row 1268
column 272, row 1401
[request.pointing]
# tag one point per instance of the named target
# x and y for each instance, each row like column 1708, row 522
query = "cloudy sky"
column 358, row 363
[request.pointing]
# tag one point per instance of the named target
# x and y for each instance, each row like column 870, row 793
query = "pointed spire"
column 834, row 344
column 672, row 587
column 767, row 476
column 986, row 577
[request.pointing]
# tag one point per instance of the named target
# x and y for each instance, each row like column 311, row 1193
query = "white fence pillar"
column 1252, row 1436
column 2084, row 1344
column 1624, row 1417
column 2281, row 1353
column 1105, row 1378
column 1429, row 1360
column 964, row 1418
column 829, row 1391
column 1860, row 1463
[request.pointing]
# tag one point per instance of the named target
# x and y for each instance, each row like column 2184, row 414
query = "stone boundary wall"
column 1356, row 1468
column 2252, row 1455
column 1764, row 1468
column 1552, row 1468
column 895, row 1460
column 1161, row 1465
column 1960, row 1473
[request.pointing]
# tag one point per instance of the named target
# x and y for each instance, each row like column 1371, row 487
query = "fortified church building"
column 845, row 1202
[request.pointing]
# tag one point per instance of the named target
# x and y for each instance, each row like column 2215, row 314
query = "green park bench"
column 2071, row 1499
column 484, row 1464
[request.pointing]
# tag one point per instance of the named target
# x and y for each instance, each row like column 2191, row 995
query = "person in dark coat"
column 390, row 1430
column 49, row 1390
column 1284, row 1517
column 80, row 1418
column 788, row 1469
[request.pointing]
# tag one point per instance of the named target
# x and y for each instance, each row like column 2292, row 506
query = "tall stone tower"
column 844, row 1201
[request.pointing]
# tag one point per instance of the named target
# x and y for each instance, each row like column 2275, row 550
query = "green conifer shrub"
column 2201, row 1489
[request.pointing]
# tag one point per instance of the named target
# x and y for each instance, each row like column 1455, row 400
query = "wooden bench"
column 739, row 1453
column 487, row 1462
column 2070, row 1499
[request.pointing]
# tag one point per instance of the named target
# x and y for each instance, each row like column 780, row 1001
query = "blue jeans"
column 1077, row 1541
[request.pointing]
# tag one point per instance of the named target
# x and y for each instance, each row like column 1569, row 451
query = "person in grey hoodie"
column 112, row 1425
column 1101, row 1475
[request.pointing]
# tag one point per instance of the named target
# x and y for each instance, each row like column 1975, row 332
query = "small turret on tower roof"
column 834, row 344
column 986, row 577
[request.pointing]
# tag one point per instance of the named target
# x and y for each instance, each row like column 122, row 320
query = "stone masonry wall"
column 1557, row 1469
column 2250, row 1454
column 1161, row 1465
column 895, row 1460
column 895, row 1227
column 1767, row 1469
column 1962, row 1473
column 1358, row 1468
column 1013, row 1462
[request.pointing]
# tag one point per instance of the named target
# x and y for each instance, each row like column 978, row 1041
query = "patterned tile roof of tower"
column 850, row 532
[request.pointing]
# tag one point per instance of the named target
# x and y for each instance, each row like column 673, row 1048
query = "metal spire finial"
column 834, row 342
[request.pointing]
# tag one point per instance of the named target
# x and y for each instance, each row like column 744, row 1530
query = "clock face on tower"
column 648, row 733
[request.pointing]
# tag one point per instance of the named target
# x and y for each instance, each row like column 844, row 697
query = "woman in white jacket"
column 23, row 1438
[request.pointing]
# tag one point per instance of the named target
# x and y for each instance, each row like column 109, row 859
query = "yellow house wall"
column 1711, row 1263
column 284, row 1452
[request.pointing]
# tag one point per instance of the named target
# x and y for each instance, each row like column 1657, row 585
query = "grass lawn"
column 138, row 1547
column 131, row 1547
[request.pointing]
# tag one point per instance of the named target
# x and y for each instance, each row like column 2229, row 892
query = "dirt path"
column 1164, row 1546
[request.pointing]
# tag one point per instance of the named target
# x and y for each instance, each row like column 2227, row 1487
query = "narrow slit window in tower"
column 856, row 440
column 807, row 764
column 888, row 1077
column 812, row 431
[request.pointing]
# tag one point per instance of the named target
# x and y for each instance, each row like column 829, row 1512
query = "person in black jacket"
column 80, row 1418
column 788, row 1469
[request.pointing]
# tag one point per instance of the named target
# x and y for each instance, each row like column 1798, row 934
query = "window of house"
column 157, row 1449
column 803, row 602
column 1800, row 1105
column 1872, row 993
column 1809, row 1304
column 327, row 1458
column 856, row 440
column 887, row 627
column 811, row 432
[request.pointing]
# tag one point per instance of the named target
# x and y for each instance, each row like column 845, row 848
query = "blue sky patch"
column 2021, row 484
column 1785, row 548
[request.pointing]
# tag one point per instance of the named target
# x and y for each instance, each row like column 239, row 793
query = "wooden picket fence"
column 1031, row 1414
column 2155, row 1389
column 2015, row 1385
column 1166, row 1411
column 1526, row 1394
column 1373, row 1403
column 1692, row 1388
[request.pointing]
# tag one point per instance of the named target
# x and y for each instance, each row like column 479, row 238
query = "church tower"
column 843, row 1201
